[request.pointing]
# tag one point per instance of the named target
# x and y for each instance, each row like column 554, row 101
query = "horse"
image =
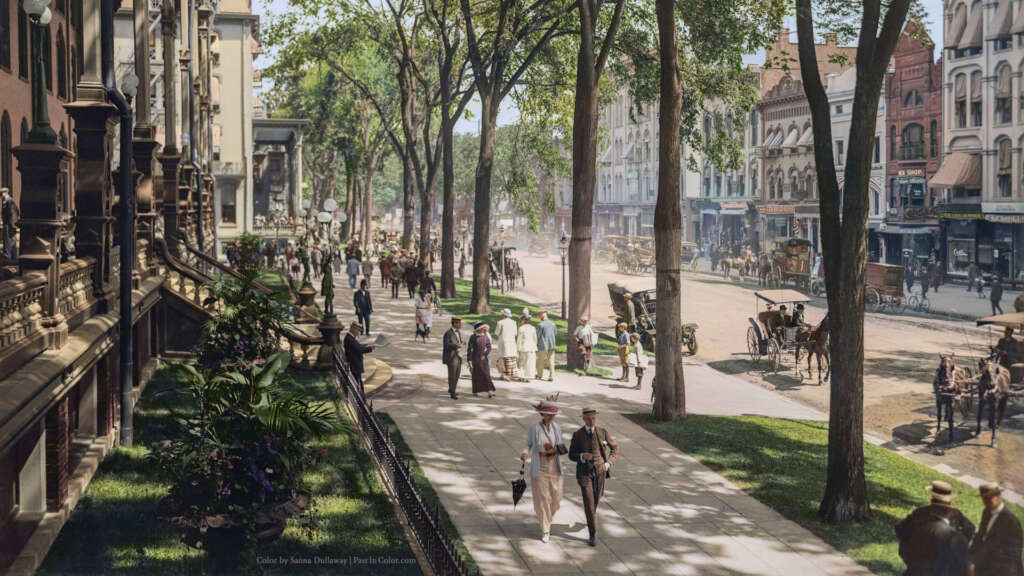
column 950, row 381
column 385, row 271
column 739, row 263
column 993, row 393
column 815, row 340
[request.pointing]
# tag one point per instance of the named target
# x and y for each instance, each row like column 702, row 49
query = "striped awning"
column 956, row 28
column 1018, row 24
column 1002, row 22
column 972, row 34
column 958, row 170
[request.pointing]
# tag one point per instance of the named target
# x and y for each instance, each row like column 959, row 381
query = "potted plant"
column 244, row 322
column 236, row 467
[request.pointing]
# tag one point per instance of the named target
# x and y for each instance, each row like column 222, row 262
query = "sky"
column 509, row 114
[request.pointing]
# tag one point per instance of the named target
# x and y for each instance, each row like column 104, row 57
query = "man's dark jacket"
column 998, row 552
column 354, row 352
column 933, row 541
column 362, row 302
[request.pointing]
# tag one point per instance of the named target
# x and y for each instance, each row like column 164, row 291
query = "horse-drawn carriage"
column 884, row 288
column 689, row 253
column 636, row 257
column 790, row 261
column 505, row 268
column 643, row 302
column 774, row 332
column 609, row 246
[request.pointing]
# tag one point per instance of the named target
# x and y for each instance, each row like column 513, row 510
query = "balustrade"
column 75, row 291
column 21, row 313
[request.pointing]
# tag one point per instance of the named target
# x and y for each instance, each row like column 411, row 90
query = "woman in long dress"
column 479, row 348
column 544, row 447
column 424, row 316
column 526, row 344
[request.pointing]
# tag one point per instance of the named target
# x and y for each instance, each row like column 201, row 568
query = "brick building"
column 914, row 123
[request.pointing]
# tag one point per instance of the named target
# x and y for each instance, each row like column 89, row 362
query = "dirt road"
column 901, row 355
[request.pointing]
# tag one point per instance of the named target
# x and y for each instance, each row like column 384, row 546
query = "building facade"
column 913, row 96
column 982, row 211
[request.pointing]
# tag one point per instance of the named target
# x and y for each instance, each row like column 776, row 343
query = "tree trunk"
column 350, row 186
column 670, row 401
column 408, row 203
column 480, row 302
column 584, row 177
column 367, row 206
column 448, row 211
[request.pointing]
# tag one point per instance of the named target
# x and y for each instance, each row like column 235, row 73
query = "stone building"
column 982, row 219
column 913, row 114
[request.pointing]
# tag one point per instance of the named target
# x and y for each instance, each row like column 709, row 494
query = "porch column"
column 57, row 445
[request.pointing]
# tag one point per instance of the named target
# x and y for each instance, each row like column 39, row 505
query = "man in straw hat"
column 505, row 332
column 544, row 448
column 354, row 351
column 594, row 452
column 933, row 539
column 996, row 548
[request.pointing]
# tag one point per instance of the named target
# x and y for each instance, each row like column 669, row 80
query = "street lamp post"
column 41, row 133
column 563, row 249
column 501, row 273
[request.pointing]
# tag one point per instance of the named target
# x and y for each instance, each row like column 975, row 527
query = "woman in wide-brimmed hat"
column 544, row 447
column 479, row 348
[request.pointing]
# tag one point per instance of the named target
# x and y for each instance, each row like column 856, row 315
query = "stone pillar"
column 88, row 422
column 32, row 476
column 170, row 158
column 57, row 445
column 42, row 229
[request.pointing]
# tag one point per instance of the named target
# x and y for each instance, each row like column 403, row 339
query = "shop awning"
column 807, row 138
column 1002, row 22
column 956, row 29
column 606, row 158
column 958, row 169
column 1018, row 24
column 972, row 34
column 792, row 138
column 629, row 153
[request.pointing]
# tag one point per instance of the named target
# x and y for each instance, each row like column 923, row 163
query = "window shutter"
column 975, row 86
column 961, row 87
column 972, row 34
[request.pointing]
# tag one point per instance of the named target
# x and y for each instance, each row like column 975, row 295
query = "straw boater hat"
column 506, row 312
column 526, row 313
column 942, row 492
column 990, row 489
column 355, row 324
column 627, row 296
column 589, row 410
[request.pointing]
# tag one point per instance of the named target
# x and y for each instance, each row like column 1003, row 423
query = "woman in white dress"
column 637, row 359
column 544, row 447
column 526, row 343
column 424, row 316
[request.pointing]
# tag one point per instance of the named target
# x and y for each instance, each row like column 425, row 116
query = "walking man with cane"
column 594, row 451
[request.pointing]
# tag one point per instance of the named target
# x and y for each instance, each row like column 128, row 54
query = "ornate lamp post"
column 41, row 133
column 563, row 250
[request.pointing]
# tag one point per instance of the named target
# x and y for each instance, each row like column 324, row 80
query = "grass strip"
column 459, row 306
column 429, row 494
column 782, row 463
column 114, row 528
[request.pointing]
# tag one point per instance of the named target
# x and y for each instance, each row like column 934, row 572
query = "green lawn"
column 427, row 490
column 782, row 463
column 272, row 278
column 460, row 307
column 114, row 529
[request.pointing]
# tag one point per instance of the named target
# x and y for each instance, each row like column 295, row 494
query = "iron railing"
column 424, row 521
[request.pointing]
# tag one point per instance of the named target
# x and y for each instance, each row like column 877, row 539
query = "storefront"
column 1003, row 232
column 807, row 224
column 609, row 221
column 776, row 222
column 959, row 233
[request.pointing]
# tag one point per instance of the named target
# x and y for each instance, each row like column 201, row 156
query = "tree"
column 844, row 232
column 512, row 34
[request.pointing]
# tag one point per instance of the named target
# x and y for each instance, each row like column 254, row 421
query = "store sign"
column 734, row 206
column 912, row 173
column 1002, row 207
column 807, row 209
column 918, row 212
column 1005, row 218
column 776, row 209
column 959, row 212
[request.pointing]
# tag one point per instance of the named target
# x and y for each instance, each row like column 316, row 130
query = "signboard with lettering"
column 1002, row 207
column 775, row 208
column 911, row 173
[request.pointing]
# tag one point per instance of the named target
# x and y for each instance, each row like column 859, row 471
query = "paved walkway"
column 663, row 512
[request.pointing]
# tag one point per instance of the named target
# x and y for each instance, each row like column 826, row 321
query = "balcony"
column 912, row 151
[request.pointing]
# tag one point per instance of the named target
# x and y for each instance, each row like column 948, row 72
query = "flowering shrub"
column 241, row 452
column 244, row 323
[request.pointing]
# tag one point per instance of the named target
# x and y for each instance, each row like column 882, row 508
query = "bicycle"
column 919, row 303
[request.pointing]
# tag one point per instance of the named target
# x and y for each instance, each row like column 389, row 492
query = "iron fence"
column 425, row 521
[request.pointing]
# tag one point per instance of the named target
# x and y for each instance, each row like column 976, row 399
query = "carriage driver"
column 1008, row 349
column 797, row 321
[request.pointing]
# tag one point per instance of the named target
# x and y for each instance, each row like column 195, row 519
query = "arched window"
column 875, row 208
column 23, row 55
column 5, row 152
column 718, row 182
column 5, row 33
column 707, row 181
column 892, row 142
column 912, row 98
column 960, row 101
column 24, row 131
column 976, row 95
column 809, row 183
column 62, row 73
column 794, row 183
column 934, row 141
column 753, row 179
column 1003, row 107
column 912, row 147
column 753, row 128
column 1004, row 168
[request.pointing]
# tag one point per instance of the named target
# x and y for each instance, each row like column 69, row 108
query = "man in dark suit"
column 363, row 304
column 452, row 355
column 996, row 549
column 594, row 452
column 933, row 539
column 354, row 351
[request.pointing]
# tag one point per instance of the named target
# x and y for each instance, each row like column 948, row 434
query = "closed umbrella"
column 519, row 485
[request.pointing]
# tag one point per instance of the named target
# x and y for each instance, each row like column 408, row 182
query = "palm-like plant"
column 244, row 322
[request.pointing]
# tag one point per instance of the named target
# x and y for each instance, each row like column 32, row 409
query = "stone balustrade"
column 21, row 312
column 75, row 298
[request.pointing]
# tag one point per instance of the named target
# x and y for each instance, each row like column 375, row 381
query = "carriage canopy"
column 781, row 296
column 1014, row 320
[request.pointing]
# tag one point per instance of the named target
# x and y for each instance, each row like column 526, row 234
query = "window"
column 707, row 182
column 227, row 206
column 1003, row 108
column 794, row 183
column 23, row 58
column 5, row 33
column 753, row 128
column 1004, row 169
column 912, row 98
column 5, row 152
column 753, row 181
column 934, row 141
column 718, row 183
column 1020, row 97
column 976, row 98
column 839, row 108
column 62, row 74
column 707, row 128
column 960, row 94
column 839, row 153
column 24, row 131
column 878, row 150
column 892, row 142
column 912, row 147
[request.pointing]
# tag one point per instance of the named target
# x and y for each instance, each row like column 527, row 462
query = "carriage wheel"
column 753, row 344
column 873, row 299
column 774, row 355
column 899, row 305
column 925, row 304
column 913, row 302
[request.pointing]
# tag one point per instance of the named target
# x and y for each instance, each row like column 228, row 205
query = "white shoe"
column 545, row 537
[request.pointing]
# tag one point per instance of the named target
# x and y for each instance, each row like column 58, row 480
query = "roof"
column 277, row 130
column 1014, row 320
column 632, row 287
column 781, row 296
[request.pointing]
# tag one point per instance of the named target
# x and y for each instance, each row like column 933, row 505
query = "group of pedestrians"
column 938, row 540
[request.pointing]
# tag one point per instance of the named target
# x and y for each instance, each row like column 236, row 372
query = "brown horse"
column 385, row 271
column 993, row 393
column 815, row 340
column 949, row 383
column 742, row 264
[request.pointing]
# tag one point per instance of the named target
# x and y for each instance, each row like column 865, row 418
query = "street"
column 901, row 356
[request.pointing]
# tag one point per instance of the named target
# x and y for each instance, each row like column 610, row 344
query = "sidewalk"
column 663, row 512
